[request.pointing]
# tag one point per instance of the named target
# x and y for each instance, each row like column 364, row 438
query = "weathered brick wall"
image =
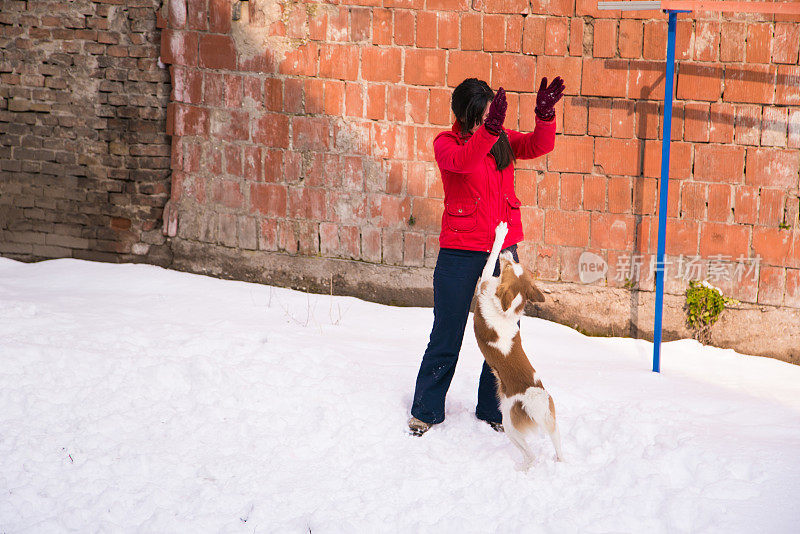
column 84, row 155
column 306, row 128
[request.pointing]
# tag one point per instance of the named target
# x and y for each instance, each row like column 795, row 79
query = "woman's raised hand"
column 547, row 97
column 497, row 113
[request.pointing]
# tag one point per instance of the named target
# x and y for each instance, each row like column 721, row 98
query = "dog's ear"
column 506, row 294
column 532, row 292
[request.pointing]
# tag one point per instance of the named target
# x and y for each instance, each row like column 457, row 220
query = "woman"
column 475, row 160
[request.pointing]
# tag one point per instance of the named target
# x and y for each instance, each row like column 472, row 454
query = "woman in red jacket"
column 475, row 160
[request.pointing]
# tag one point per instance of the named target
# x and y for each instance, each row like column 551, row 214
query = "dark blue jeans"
column 454, row 280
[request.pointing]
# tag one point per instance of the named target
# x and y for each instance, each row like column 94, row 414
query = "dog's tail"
column 538, row 404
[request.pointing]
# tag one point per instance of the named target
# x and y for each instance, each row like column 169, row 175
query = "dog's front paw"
column 501, row 232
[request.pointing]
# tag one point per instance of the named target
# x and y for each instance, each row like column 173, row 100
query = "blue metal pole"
column 664, row 190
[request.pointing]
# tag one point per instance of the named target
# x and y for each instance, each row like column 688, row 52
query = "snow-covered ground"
column 137, row 399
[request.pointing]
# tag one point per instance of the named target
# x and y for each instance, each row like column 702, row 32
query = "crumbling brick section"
column 84, row 155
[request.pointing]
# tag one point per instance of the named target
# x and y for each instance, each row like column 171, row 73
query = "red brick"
column 706, row 41
column 333, row 98
column 773, row 126
column 570, row 197
column 732, row 43
column 747, row 124
column 572, row 154
column 302, row 61
column 605, row 38
column 727, row 239
column 428, row 214
column 310, row 133
column 547, row 7
column 759, row 37
column 338, row 62
column 268, row 199
column 447, row 29
column 594, row 192
column 396, row 102
column 413, row 249
column 272, row 130
column 546, row 262
column 392, row 247
column 425, row 136
column 353, row 100
column 533, row 223
column 655, row 40
column 513, row 72
column 533, row 35
column 273, row 94
column 227, row 193
column 230, row 125
column 771, row 284
column 681, row 236
column 570, row 228
column 719, row 202
column 513, row 33
column 294, row 89
column 338, row 24
column 680, row 161
column 576, row 115
column 217, row 52
column 599, row 121
column 494, row 35
column 718, row 163
column 471, row 31
column 569, row 68
column 440, row 106
column 622, row 123
column 794, row 128
column 620, row 194
column 418, row 105
column 371, row 244
column 219, row 16
column 381, row 64
column 575, row 36
column 426, row 29
column 746, row 204
column 381, row 26
column 188, row 120
column 772, row 244
column 630, row 38
column 770, row 210
column 617, row 156
column 697, row 121
column 604, row 77
column 424, row 67
column 547, row 190
column 721, row 129
column 196, row 15
column 615, row 232
column 463, row 65
column 788, row 88
column 753, row 83
column 268, row 234
column 773, row 167
column 448, row 5
column 360, row 25
column 392, row 141
column 376, row 101
column 699, row 82
column 179, row 47
column 792, row 295
column 556, row 41
column 253, row 167
column 404, row 24
column 786, row 43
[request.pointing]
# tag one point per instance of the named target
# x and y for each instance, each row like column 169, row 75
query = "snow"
column 138, row 399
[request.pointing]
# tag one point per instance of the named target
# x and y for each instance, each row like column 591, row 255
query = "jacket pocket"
column 462, row 216
column 513, row 212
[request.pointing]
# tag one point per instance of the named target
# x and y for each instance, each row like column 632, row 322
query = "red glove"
column 497, row 113
column 547, row 97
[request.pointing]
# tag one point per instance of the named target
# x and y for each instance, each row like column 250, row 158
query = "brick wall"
column 306, row 129
column 84, row 155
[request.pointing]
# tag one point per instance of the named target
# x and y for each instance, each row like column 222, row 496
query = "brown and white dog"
column 524, row 403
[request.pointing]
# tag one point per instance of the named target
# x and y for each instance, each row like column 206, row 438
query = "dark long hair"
column 468, row 103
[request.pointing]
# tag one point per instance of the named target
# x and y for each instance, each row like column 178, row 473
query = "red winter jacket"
column 477, row 197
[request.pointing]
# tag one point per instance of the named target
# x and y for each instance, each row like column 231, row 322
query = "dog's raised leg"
column 499, row 236
column 555, row 437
